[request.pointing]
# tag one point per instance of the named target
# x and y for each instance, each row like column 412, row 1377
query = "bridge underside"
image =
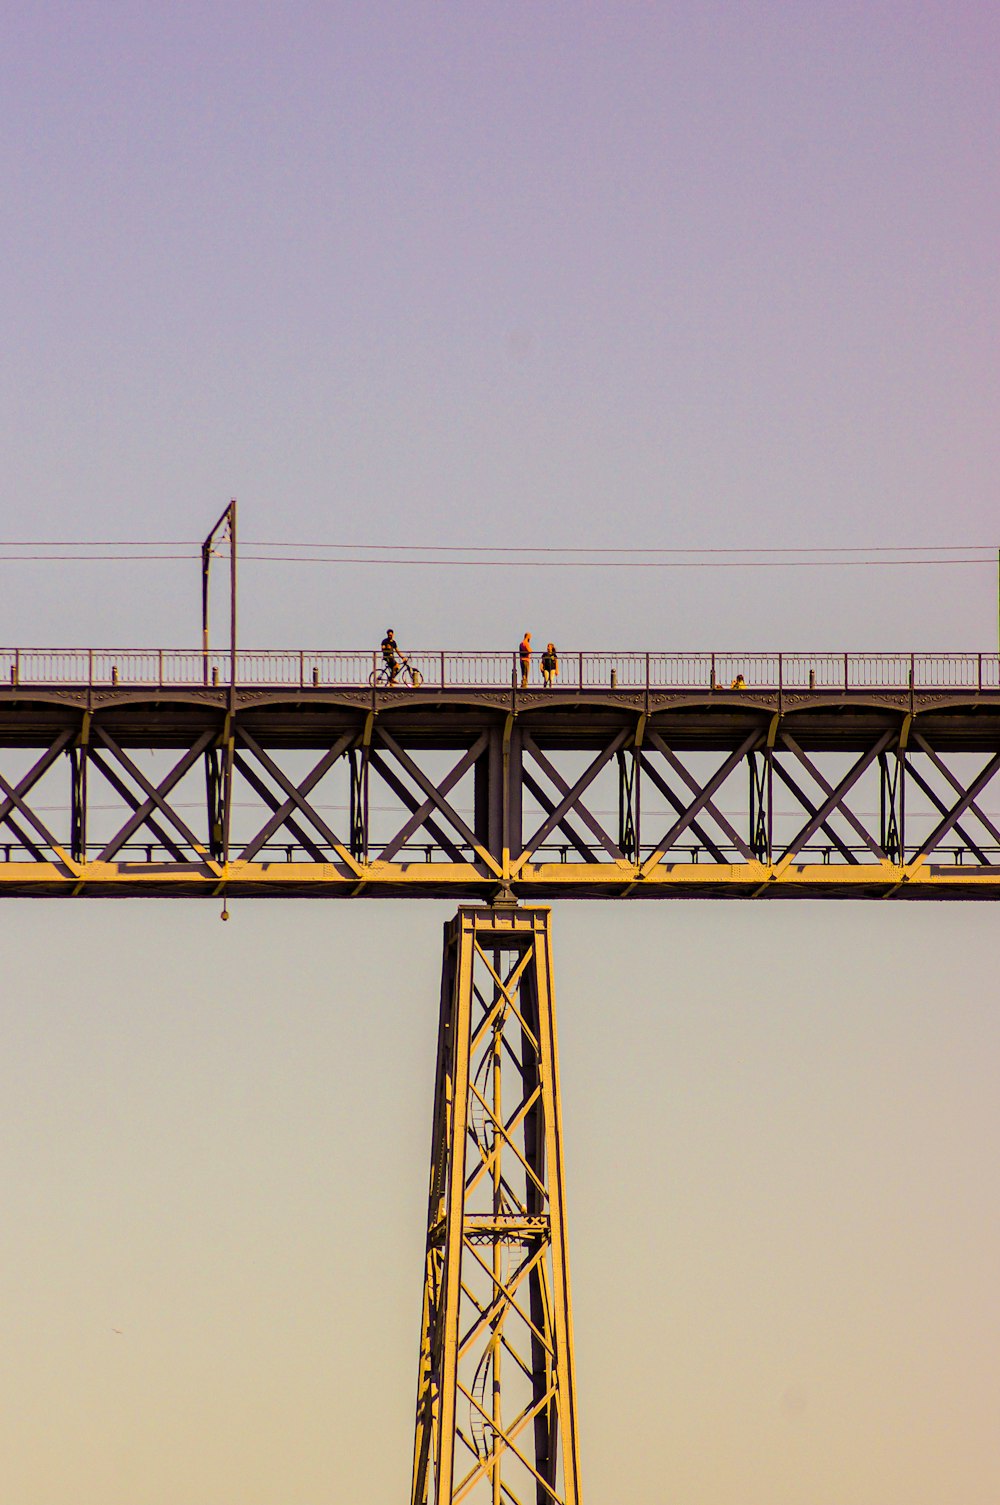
column 466, row 794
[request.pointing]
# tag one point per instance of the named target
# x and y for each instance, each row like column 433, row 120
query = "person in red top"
column 524, row 655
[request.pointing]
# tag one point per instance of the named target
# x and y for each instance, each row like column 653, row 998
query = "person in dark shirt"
column 391, row 656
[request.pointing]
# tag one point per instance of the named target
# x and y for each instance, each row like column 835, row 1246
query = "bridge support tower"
column 496, row 1405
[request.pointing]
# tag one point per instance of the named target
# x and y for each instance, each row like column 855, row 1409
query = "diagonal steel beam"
column 568, row 802
column 504, row 1294
column 38, row 825
column 700, row 803
column 505, row 1291
column 24, row 840
column 653, row 737
column 419, row 815
column 827, row 788
column 942, row 808
column 133, row 801
column 503, row 1141
column 506, row 1435
column 493, row 1316
column 673, row 798
column 156, row 797
column 548, row 805
column 832, row 802
column 507, row 993
column 305, row 788
column 958, row 810
column 281, row 778
column 579, row 809
column 485, row 1316
column 955, row 783
column 811, row 809
column 409, row 799
column 444, row 808
column 28, row 780
column 270, row 798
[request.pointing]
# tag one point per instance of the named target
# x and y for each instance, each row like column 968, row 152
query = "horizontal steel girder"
column 340, row 794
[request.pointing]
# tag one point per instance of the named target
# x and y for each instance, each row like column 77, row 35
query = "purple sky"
column 592, row 274
column 573, row 274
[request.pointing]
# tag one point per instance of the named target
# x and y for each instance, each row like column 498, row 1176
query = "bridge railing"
column 450, row 669
column 813, row 852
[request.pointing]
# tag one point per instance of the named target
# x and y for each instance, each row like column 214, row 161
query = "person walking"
column 550, row 665
column 524, row 657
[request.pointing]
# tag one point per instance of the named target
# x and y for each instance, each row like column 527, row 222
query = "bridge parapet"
column 579, row 670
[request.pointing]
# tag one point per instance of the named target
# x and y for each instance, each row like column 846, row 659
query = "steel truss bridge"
column 185, row 774
column 638, row 775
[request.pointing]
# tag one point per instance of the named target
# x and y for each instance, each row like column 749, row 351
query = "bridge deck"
column 115, row 781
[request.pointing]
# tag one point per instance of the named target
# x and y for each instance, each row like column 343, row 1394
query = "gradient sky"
column 589, row 274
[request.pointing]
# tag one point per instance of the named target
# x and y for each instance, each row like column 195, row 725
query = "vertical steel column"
column 488, row 796
column 496, row 1404
column 357, row 759
column 891, row 782
column 760, row 804
column 215, row 787
column 78, row 763
column 513, row 792
column 628, row 792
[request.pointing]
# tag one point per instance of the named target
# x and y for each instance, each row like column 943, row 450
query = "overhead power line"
column 514, row 563
column 499, row 556
column 512, row 549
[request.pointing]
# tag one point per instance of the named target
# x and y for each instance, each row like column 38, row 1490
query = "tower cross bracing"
column 496, row 1404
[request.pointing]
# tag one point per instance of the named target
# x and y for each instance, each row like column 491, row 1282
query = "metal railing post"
column 912, row 682
column 442, row 668
column 846, row 681
column 580, row 680
column 302, row 669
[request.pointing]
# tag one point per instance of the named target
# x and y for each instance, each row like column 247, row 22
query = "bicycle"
column 404, row 673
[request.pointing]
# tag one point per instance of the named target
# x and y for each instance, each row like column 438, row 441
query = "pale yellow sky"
column 783, row 1200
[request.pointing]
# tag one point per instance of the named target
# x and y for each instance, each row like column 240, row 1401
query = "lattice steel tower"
column 496, row 1406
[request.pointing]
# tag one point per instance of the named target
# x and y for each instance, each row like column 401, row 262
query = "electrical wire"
column 521, row 564
column 373, row 548
column 441, row 556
